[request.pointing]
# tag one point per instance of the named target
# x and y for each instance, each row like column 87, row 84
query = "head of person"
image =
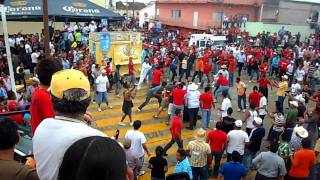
column 35, row 81
column 283, row 137
column 103, row 72
column 181, row 154
column 164, row 84
column 136, row 124
column 9, row 136
column 238, row 124
column 224, row 94
column 207, row 89
column 127, row 144
column 235, row 156
column 94, row 158
column 274, row 147
column 252, row 106
column 200, row 134
column 45, row 69
column 293, row 104
column 70, row 90
column 238, row 79
column 257, row 121
column 255, row 88
column 306, row 143
column 159, row 151
column 219, row 125
column 178, row 112
column 118, row 66
column 229, row 111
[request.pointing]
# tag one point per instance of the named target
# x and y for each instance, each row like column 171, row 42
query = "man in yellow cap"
column 70, row 91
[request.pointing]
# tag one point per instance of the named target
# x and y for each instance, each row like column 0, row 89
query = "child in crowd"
column 158, row 165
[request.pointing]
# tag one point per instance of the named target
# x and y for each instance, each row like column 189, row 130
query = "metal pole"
column 133, row 6
column 46, row 28
column 222, row 13
column 6, row 40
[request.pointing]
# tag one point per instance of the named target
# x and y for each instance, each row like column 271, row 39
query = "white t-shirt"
column 226, row 104
column 34, row 57
column 295, row 87
column 137, row 139
column 236, row 141
column 299, row 74
column 28, row 48
column 263, row 102
column 253, row 114
column 102, row 82
column 193, row 99
column 52, row 139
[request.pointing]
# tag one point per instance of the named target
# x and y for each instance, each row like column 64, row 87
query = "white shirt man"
column 300, row 74
column 137, row 140
column 263, row 106
column 237, row 139
column 18, row 40
column 34, row 57
column 28, row 48
column 102, row 82
column 226, row 104
column 12, row 42
column 193, row 99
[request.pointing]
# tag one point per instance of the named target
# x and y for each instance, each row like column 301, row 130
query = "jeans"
column 254, row 71
column 172, row 141
column 141, row 160
column 208, row 80
column 220, row 90
column 193, row 112
column 200, row 172
column 273, row 70
column 217, row 159
column 206, row 114
column 118, row 87
column 244, row 100
column 148, row 99
column 240, row 66
column 183, row 71
column 174, row 74
column 248, row 157
column 197, row 73
column 314, row 83
column 281, row 100
column 230, row 79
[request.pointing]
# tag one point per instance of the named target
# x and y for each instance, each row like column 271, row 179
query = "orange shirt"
column 302, row 161
column 199, row 65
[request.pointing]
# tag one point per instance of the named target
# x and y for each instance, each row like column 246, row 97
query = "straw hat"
column 223, row 66
column 257, row 120
column 200, row 134
column 285, row 77
column 193, row 87
column 238, row 123
column 301, row 131
column 294, row 103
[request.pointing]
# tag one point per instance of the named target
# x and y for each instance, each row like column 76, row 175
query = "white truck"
column 202, row 41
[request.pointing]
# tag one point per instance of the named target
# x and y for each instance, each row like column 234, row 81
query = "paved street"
column 156, row 131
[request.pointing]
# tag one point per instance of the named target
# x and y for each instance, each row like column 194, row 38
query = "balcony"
column 202, row 24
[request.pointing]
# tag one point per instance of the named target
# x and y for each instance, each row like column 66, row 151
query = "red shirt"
column 178, row 96
column 176, row 126
column 254, row 98
column 41, row 107
column 130, row 68
column 217, row 138
column 263, row 83
column 156, row 76
column 232, row 65
column 302, row 161
column 18, row 118
column 223, row 81
column 206, row 100
column 108, row 70
column 207, row 68
column 263, row 68
column 283, row 64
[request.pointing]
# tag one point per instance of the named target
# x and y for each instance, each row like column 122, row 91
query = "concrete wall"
column 255, row 27
column 27, row 27
column 205, row 14
column 147, row 13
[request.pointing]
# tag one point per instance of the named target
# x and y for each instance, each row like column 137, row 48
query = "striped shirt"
column 279, row 119
column 311, row 70
column 198, row 150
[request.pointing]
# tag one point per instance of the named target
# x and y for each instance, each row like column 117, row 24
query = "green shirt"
column 283, row 149
column 78, row 36
column 292, row 116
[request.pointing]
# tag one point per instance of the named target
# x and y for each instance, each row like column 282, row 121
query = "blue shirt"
column 275, row 61
column 65, row 64
column 241, row 58
column 184, row 166
column 233, row 171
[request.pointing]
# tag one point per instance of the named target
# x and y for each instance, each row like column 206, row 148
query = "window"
column 195, row 19
column 216, row 16
column 176, row 14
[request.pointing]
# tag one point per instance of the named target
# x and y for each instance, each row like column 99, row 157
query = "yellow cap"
column 69, row 79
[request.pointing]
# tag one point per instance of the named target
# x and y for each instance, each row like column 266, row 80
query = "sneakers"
column 110, row 107
column 156, row 117
column 243, row 110
column 99, row 109
column 139, row 110
column 121, row 124
column 239, row 110
column 131, row 124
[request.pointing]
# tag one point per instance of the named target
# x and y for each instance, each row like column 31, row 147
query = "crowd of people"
column 189, row 84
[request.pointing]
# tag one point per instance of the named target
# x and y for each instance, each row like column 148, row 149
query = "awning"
column 77, row 10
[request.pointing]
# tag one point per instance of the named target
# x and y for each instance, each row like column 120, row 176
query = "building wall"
column 102, row 3
column 295, row 13
column 205, row 14
column 147, row 13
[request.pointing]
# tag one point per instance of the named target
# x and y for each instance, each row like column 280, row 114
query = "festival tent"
column 72, row 10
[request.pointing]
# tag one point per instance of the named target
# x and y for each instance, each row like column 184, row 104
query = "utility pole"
column 6, row 41
column 222, row 13
column 46, row 28
column 133, row 7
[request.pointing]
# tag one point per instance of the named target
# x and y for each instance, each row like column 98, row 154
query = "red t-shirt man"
column 232, row 65
column 263, row 68
column 283, row 64
column 223, row 81
column 206, row 100
column 41, row 107
column 178, row 96
column 130, row 67
column 156, row 77
column 254, row 98
column 263, row 83
column 217, row 138
column 176, row 127
column 207, row 68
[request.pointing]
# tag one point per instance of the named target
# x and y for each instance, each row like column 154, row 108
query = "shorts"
column 170, row 106
column 101, row 97
column 164, row 103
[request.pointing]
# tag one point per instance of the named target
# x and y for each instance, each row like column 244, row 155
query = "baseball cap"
column 238, row 123
column 69, row 79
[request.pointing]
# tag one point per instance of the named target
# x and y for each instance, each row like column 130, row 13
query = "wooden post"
column 46, row 28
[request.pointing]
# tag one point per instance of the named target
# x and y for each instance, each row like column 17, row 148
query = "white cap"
column 294, row 103
column 238, row 123
column 103, row 71
column 257, row 120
